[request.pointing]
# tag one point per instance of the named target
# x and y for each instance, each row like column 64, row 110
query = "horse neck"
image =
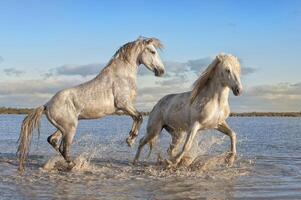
column 121, row 68
column 215, row 89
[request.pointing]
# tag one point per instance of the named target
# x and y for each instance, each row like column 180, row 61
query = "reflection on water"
column 267, row 167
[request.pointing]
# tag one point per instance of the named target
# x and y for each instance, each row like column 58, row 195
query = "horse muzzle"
column 159, row 72
column 237, row 91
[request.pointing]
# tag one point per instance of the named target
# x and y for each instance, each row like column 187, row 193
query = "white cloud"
column 248, row 70
column 48, row 86
column 12, row 71
column 71, row 70
column 32, row 93
column 277, row 97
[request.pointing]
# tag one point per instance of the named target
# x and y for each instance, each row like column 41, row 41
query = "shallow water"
column 268, row 165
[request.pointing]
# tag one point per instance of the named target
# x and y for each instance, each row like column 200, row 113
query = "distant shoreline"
column 21, row 111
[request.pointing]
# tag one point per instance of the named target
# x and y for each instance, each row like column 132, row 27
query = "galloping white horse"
column 205, row 107
column 113, row 89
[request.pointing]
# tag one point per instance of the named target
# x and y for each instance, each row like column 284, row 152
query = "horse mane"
column 125, row 51
column 203, row 80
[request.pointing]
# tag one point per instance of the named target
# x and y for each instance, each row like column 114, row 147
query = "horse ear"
column 219, row 57
column 149, row 41
column 154, row 41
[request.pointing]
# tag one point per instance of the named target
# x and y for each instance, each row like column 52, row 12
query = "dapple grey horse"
column 205, row 107
column 112, row 90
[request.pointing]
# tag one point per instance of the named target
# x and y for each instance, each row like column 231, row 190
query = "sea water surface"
column 268, row 165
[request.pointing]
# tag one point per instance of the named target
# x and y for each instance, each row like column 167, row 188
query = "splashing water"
column 94, row 159
column 103, row 168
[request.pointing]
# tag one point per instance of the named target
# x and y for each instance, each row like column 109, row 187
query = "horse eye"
column 153, row 52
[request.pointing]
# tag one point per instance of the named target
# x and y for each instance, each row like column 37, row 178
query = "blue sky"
column 37, row 37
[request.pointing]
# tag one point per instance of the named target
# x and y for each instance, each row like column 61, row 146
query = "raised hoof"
column 53, row 143
column 130, row 141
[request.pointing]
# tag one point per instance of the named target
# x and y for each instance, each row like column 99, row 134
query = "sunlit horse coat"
column 113, row 89
column 205, row 107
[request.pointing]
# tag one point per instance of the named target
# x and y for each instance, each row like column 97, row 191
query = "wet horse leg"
column 66, row 126
column 187, row 145
column 224, row 128
column 176, row 139
column 152, row 133
column 137, row 121
column 68, row 135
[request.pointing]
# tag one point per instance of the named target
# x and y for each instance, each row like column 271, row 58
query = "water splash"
column 108, row 160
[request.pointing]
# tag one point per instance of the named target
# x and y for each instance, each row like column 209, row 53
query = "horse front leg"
column 224, row 128
column 137, row 121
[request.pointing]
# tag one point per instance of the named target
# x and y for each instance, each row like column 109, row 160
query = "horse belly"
column 95, row 113
column 95, row 110
column 176, row 115
column 177, row 121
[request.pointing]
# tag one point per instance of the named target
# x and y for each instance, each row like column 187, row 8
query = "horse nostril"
column 238, row 91
column 156, row 72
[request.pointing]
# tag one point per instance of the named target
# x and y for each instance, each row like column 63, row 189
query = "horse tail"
column 29, row 124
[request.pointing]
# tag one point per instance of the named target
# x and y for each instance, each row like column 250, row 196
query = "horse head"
column 229, row 71
column 150, row 57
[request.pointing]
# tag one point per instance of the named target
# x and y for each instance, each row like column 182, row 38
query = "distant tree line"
column 4, row 110
column 266, row 114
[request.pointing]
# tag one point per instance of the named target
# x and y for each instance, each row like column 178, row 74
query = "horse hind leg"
column 152, row 133
column 66, row 125
column 54, row 139
column 176, row 139
column 65, row 147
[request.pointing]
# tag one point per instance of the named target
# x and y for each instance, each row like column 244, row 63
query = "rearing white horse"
column 205, row 107
column 113, row 89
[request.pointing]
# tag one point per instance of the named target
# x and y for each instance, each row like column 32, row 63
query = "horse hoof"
column 135, row 162
column 169, row 164
column 186, row 161
column 70, row 165
column 130, row 142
